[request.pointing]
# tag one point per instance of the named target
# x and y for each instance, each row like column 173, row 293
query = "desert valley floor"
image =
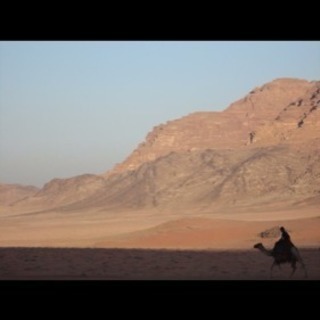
column 148, row 246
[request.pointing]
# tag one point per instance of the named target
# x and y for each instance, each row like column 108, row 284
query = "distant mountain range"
column 261, row 150
column 10, row 193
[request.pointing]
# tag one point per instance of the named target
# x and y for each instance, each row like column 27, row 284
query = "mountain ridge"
column 255, row 151
column 11, row 193
column 230, row 128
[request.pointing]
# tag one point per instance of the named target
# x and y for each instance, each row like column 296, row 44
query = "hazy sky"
column 68, row 108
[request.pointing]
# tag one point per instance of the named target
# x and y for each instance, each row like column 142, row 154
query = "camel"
column 285, row 255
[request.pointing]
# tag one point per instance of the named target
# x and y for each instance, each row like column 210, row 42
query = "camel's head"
column 258, row 245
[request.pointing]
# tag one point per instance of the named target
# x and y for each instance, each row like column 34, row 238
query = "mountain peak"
column 232, row 128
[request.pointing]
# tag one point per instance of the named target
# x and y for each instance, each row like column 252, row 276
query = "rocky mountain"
column 210, row 178
column 60, row 192
column 11, row 193
column 297, row 122
column 234, row 127
column 263, row 149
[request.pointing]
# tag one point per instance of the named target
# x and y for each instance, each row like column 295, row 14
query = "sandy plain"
column 152, row 245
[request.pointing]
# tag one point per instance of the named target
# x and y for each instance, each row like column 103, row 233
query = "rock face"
column 297, row 122
column 233, row 128
column 210, row 178
column 11, row 193
column 263, row 149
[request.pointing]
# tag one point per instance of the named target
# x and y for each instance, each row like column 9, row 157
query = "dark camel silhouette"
column 283, row 253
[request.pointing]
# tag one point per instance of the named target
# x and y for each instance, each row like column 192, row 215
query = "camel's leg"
column 271, row 269
column 296, row 254
column 293, row 265
column 304, row 269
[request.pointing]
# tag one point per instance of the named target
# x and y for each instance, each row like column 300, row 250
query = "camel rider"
column 285, row 236
column 286, row 241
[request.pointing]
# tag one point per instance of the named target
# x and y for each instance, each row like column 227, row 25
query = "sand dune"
column 143, row 229
column 216, row 233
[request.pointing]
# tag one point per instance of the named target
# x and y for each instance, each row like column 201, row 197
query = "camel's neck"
column 265, row 251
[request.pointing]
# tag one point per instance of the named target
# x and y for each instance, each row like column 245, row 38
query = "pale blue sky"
column 68, row 108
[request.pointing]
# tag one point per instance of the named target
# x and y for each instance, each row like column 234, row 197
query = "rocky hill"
column 210, row 178
column 60, row 192
column 11, row 193
column 261, row 150
column 234, row 127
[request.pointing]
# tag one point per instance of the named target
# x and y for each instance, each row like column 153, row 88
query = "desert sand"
column 152, row 246
column 142, row 264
